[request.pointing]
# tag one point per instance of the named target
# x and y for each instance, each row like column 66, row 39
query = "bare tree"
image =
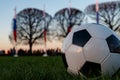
column 65, row 19
column 31, row 23
column 109, row 14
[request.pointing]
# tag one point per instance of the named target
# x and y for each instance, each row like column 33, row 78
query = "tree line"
column 40, row 52
column 32, row 22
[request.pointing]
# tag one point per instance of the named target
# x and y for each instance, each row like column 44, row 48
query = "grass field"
column 38, row 68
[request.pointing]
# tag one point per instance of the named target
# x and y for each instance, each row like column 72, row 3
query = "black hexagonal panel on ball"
column 113, row 44
column 80, row 38
column 91, row 69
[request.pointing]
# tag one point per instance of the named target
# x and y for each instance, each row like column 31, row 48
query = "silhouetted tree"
column 65, row 19
column 31, row 23
column 109, row 14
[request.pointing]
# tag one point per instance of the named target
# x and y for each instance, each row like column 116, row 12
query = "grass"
column 38, row 68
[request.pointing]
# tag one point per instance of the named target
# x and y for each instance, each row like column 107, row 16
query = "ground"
column 38, row 68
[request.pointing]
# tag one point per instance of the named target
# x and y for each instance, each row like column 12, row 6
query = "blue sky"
column 52, row 6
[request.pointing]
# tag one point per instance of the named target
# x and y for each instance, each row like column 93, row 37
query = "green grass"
column 38, row 68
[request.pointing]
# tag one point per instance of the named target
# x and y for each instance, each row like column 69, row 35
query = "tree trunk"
column 30, row 40
column 30, row 48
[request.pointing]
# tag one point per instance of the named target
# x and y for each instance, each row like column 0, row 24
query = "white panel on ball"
column 75, row 58
column 111, row 64
column 67, row 42
column 96, row 50
column 99, row 31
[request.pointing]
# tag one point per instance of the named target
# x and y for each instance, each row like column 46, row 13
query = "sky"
column 51, row 7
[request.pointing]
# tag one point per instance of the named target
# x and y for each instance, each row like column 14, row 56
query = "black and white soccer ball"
column 92, row 49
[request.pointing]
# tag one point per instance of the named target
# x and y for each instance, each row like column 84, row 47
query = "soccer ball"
column 92, row 49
